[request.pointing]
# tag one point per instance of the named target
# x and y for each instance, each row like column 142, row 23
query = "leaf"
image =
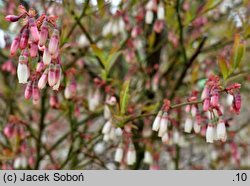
column 111, row 60
column 195, row 73
column 151, row 41
column 223, row 67
column 150, row 108
column 247, row 31
column 100, row 54
column 100, row 4
column 124, row 97
column 103, row 74
column 210, row 4
column 238, row 51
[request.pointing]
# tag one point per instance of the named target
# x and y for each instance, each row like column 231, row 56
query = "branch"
column 40, row 132
column 186, row 67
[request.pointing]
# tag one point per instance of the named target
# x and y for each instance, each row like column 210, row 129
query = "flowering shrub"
column 133, row 85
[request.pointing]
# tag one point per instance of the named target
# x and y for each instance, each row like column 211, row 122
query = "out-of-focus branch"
column 77, row 19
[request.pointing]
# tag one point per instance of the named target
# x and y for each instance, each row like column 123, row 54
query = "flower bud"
column 221, row 130
column 111, row 101
column 131, row 154
column 43, row 79
column 149, row 17
column 28, row 90
column 210, row 133
column 237, row 102
column 17, row 163
column 22, row 73
column 12, row 18
column 156, row 123
column 43, row 34
column 99, row 148
column 53, row 101
column 206, row 104
column 197, row 127
column 215, row 100
column 230, row 99
column 9, row 130
column 20, row 162
column 176, row 137
column 31, row 161
column 188, row 108
column 40, row 66
column 188, row 125
column 163, row 124
column 53, row 43
column 24, row 39
column 148, row 159
column 8, row 66
column 193, row 111
column 165, row 138
column 33, row 29
column 160, row 12
column 58, row 72
column 119, row 154
column 70, row 90
column 107, row 127
column 46, row 57
column 136, row 31
column 151, row 5
column 14, row 46
column 55, row 55
column 33, row 49
column 205, row 93
column 107, row 113
column 158, row 26
column 52, row 75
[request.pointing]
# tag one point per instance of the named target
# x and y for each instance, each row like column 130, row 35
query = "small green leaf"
column 100, row 4
column 238, row 51
column 124, row 97
column 111, row 60
column 223, row 67
column 210, row 4
column 150, row 108
column 100, row 54
column 103, row 74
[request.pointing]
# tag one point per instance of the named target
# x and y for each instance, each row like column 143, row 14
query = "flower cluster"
column 114, row 26
column 152, row 7
column 216, row 124
column 210, row 117
column 211, row 96
column 161, row 122
column 130, row 155
column 38, row 40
